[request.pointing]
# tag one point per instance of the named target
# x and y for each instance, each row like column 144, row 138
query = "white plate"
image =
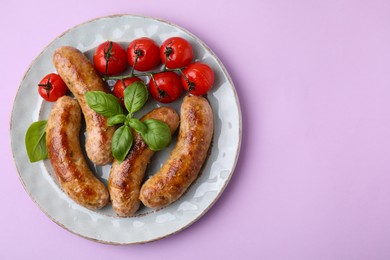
column 147, row 225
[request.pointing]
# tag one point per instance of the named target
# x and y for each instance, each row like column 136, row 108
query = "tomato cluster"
column 178, row 74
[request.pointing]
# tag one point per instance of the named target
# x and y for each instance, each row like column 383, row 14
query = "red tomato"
column 120, row 86
column 197, row 78
column 165, row 86
column 143, row 54
column 176, row 52
column 110, row 58
column 52, row 87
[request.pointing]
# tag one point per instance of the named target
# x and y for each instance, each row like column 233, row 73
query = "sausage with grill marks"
column 80, row 76
column 67, row 159
column 186, row 159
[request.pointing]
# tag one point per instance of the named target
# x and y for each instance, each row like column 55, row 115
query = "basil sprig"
column 35, row 141
column 156, row 134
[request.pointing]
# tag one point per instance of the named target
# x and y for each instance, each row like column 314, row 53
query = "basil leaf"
column 122, row 140
column 105, row 104
column 158, row 134
column 137, row 125
column 117, row 119
column 135, row 96
column 35, row 141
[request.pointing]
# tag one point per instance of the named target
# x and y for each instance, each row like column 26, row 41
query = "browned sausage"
column 186, row 159
column 80, row 76
column 125, row 178
column 67, row 159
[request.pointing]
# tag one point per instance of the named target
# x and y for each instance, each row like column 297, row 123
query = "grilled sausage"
column 186, row 159
column 125, row 178
column 67, row 159
column 80, row 76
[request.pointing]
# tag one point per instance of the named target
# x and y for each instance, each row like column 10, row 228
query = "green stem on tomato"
column 177, row 69
column 168, row 51
column 139, row 54
column 108, row 55
column 121, row 77
column 161, row 92
column 191, row 85
column 48, row 86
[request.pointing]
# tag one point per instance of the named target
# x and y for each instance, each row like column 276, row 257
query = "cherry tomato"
column 165, row 86
column 52, row 87
column 120, row 86
column 176, row 52
column 143, row 54
column 110, row 58
column 197, row 78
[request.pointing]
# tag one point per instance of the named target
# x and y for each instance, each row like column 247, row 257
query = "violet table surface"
column 313, row 177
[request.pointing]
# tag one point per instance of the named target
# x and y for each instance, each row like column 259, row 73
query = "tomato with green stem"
column 110, row 58
column 52, row 87
column 165, row 86
column 176, row 52
column 197, row 78
column 143, row 54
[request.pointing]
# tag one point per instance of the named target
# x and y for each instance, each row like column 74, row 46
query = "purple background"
column 313, row 178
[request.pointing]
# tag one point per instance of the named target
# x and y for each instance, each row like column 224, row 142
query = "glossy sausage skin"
column 125, row 178
column 67, row 159
column 80, row 76
column 186, row 159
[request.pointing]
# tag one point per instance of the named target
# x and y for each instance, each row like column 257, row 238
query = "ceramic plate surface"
column 147, row 225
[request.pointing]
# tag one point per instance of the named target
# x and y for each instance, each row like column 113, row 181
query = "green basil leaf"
column 122, row 140
column 158, row 134
column 137, row 125
column 117, row 119
column 135, row 96
column 35, row 141
column 105, row 104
